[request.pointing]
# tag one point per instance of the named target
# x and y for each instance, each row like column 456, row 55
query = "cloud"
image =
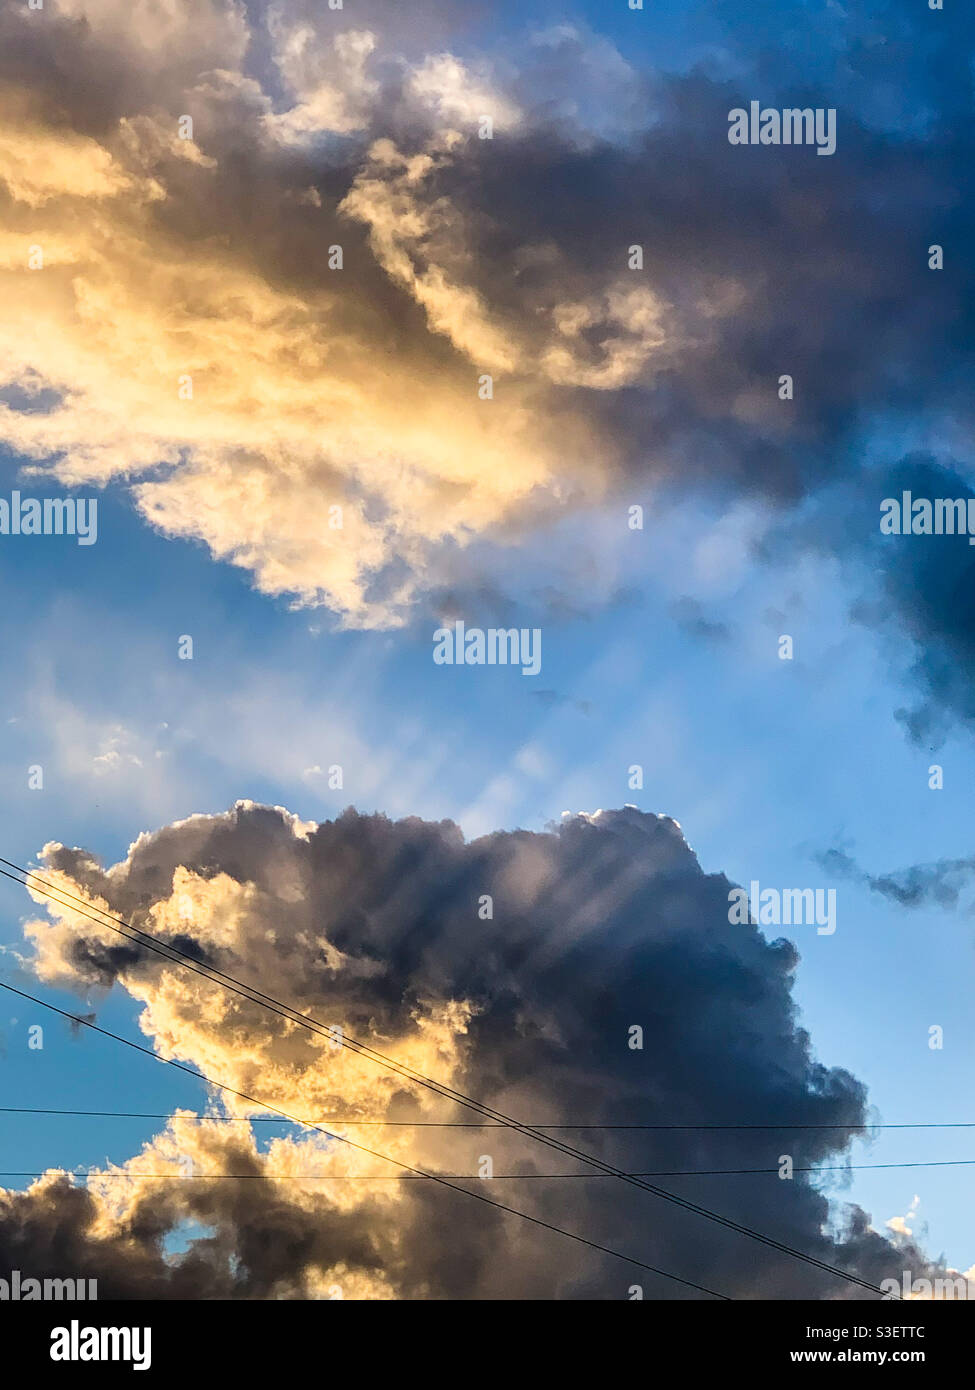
column 917, row 886
column 329, row 82
column 307, row 453
column 602, row 923
column 928, row 593
column 316, row 388
column 899, row 1224
column 458, row 96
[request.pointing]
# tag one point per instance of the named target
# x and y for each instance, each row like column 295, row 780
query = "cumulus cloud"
column 903, row 1225
column 603, row 922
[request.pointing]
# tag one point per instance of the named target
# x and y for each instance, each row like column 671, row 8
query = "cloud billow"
column 316, row 387
column 602, row 923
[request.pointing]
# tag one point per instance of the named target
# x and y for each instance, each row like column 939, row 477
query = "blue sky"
column 794, row 758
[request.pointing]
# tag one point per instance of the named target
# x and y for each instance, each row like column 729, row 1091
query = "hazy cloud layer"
column 604, row 922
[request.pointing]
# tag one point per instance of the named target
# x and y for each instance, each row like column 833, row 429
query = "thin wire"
column 254, row 995
column 439, row 1124
column 471, row 1177
column 373, row 1153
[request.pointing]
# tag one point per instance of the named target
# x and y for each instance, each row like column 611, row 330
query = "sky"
column 298, row 466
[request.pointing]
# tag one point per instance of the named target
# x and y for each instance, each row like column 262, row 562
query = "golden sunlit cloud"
column 294, row 375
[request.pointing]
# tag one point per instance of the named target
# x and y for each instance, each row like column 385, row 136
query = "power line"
column 373, row 1153
column 253, row 995
column 474, row 1177
column 256, row 996
column 442, row 1124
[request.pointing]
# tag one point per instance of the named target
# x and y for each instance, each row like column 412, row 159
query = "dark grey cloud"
column 599, row 924
column 929, row 583
column 917, row 592
column 920, row 885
